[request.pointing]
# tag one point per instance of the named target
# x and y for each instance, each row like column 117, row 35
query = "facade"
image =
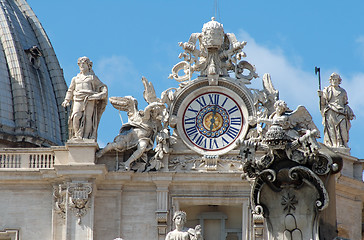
column 183, row 152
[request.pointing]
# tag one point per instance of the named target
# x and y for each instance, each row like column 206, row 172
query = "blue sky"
column 130, row 39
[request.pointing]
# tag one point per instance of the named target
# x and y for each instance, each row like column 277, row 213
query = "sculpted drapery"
column 336, row 113
column 89, row 96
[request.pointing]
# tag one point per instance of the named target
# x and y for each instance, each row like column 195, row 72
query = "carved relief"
column 79, row 198
column 217, row 54
column 206, row 163
column 60, row 199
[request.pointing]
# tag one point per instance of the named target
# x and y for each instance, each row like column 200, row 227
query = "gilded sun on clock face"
column 212, row 121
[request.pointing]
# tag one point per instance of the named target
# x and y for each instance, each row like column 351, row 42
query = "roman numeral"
column 192, row 110
column 191, row 130
column 213, row 144
column 214, row 99
column 232, row 132
column 201, row 101
column 224, row 141
column 224, row 102
column 191, row 120
column 201, row 141
column 235, row 121
column 233, row 109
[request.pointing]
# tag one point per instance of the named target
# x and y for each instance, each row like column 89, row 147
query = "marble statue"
column 89, row 96
column 142, row 128
column 264, row 99
column 336, row 113
column 293, row 124
column 139, row 132
column 182, row 233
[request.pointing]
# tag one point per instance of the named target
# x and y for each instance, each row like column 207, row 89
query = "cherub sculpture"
column 140, row 132
column 286, row 132
column 181, row 232
column 294, row 123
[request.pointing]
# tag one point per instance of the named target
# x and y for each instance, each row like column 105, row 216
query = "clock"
column 211, row 119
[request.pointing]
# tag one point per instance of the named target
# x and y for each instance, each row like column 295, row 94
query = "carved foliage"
column 206, row 163
column 60, row 199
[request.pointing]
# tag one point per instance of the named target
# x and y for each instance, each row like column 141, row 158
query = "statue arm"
column 150, row 108
column 69, row 94
column 323, row 96
column 265, row 120
column 100, row 88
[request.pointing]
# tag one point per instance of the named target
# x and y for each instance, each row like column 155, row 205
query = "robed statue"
column 181, row 232
column 336, row 113
column 89, row 96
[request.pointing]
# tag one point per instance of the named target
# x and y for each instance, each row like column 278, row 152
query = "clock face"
column 212, row 120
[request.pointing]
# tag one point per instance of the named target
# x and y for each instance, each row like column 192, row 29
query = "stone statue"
column 264, row 99
column 216, row 54
column 89, row 96
column 182, row 233
column 294, row 123
column 142, row 128
column 139, row 132
column 336, row 113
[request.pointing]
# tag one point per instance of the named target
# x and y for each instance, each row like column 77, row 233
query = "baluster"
column 11, row 160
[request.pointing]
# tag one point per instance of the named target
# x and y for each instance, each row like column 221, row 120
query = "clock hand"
column 213, row 118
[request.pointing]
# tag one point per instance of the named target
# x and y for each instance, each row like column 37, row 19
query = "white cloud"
column 115, row 70
column 354, row 87
column 295, row 86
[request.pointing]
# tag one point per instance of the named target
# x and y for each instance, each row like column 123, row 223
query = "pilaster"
column 162, row 184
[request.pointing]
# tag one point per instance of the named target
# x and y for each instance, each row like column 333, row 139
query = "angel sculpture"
column 140, row 131
column 264, row 99
column 291, row 133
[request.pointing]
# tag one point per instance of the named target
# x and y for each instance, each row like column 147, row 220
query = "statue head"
column 280, row 106
column 335, row 79
column 179, row 218
column 83, row 63
column 212, row 34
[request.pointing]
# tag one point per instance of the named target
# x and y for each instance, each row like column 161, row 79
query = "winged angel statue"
column 143, row 128
column 285, row 133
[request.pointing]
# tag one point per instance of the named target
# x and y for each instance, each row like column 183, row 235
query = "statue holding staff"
column 336, row 113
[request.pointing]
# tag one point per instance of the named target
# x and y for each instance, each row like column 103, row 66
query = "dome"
column 33, row 86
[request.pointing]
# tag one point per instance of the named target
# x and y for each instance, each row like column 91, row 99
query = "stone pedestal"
column 76, row 153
